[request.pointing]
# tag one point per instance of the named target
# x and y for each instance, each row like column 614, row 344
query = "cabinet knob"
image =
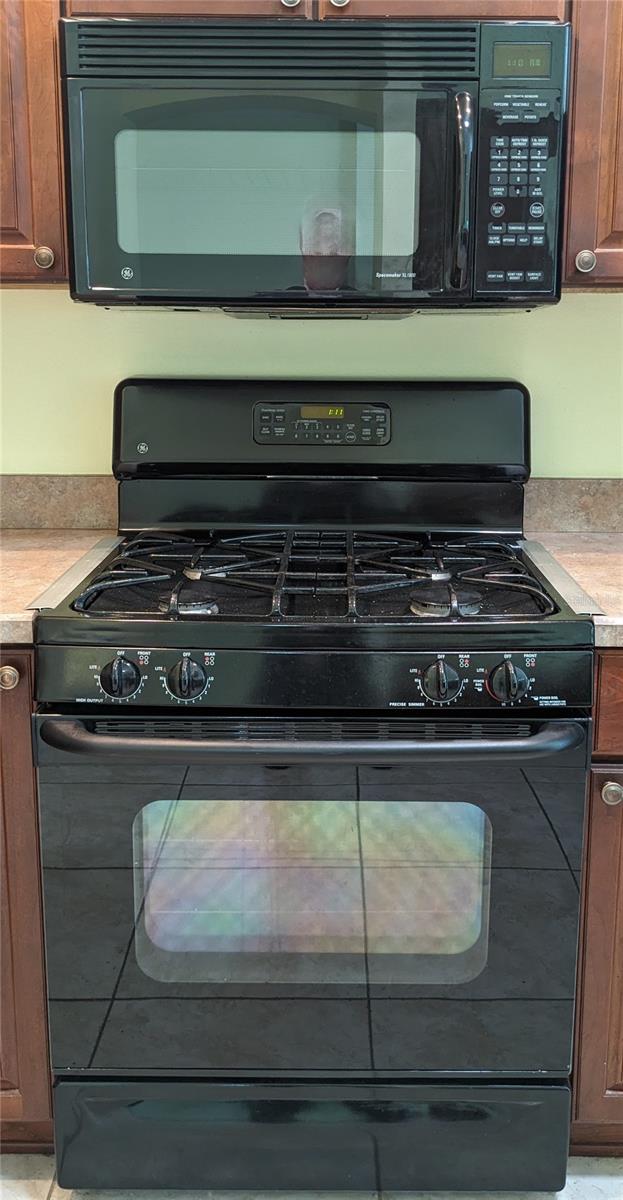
column 290, row 3
column 612, row 793
column 9, row 678
column 44, row 257
column 340, row 3
column 586, row 260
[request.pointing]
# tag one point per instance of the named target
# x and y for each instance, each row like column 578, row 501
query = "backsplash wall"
column 61, row 361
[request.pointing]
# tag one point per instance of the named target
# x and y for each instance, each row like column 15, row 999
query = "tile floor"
column 31, row 1177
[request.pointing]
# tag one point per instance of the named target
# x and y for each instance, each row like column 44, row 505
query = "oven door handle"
column 464, row 112
column 73, row 737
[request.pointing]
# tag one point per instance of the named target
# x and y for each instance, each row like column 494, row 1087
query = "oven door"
column 222, row 900
column 270, row 195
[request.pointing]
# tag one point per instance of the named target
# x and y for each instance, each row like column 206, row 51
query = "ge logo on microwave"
column 127, row 273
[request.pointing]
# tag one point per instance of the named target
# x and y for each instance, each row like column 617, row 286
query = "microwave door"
column 262, row 196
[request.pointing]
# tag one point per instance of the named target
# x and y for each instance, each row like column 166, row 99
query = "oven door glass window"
column 319, row 892
column 254, row 193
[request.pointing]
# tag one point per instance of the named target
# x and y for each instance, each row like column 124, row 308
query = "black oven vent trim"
column 400, row 51
column 327, row 730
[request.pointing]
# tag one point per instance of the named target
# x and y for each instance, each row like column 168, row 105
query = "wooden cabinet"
column 598, row 1079
column 188, row 8
column 455, row 10
column 24, row 1075
column 595, row 197
column 31, row 236
column 609, row 720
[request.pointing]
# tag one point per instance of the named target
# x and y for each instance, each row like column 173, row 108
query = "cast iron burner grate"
column 315, row 576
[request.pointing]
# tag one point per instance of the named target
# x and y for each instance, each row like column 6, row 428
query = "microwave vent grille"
column 292, row 54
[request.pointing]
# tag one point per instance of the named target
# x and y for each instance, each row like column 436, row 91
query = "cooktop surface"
column 315, row 576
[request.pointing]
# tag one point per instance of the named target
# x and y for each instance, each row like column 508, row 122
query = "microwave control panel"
column 519, row 187
column 292, row 424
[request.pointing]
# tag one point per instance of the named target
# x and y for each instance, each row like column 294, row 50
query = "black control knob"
column 186, row 679
column 440, row 682
column 120, row 678
column 508, row 682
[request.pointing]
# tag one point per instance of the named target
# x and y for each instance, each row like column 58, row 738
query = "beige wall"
column 61, row 361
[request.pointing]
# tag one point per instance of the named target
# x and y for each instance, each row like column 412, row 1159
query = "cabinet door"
column 461, row 10
column 188, row 8
column 599, row 1069
column 609, row 724
column 24, row 1077
column 32, row 191
column 595, row 200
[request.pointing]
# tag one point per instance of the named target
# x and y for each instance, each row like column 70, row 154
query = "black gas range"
column 312, row 737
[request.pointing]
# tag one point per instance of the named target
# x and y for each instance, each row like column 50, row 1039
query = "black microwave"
column 315, row 168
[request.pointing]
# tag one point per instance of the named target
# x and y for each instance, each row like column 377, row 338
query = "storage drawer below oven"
column 304, row 1136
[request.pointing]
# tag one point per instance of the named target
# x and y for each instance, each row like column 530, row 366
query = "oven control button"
column 186, row 679
column 508, row 683
column 120, row 678
column 440, row 682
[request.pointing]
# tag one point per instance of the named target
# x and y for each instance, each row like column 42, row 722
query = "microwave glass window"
column 311, row 892
column 331, row 194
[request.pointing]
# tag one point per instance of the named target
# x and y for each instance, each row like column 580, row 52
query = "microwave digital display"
column 522, row 59
column 322, row 411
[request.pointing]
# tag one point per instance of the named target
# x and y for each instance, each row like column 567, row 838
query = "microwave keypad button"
column 515, row 227
column 505, row 118
column 531, row 117
column 514, row 276
column 541, row 105
column 536, row 191
column 497, row 210
column 498, row 191
column 495, row 277
column 536, row 228
column 523, row 239
column 494, row 239
column 518, row 178
column 538, row 239
column 540, row 142
column 508, row 240
column 534, row 276
column 519, row 152
column 518, row 191
column 521, row 141
column 520, row 104
column 498, row 141
column 501, row 104
column 498, row 178
column 495, row 227
column 537, row 179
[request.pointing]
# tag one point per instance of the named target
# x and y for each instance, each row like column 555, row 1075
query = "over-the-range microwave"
column 315, row 168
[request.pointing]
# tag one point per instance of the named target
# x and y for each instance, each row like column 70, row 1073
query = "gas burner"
column 435, row 600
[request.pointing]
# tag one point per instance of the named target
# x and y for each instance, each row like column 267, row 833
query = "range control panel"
column 518, row 190
column 322, row 424
column 304, row 679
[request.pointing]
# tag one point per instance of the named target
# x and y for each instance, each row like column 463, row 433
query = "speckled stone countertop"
column 32, row 559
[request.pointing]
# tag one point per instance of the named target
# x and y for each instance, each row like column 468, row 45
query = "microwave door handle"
column 73, row 737
column 464, row 113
